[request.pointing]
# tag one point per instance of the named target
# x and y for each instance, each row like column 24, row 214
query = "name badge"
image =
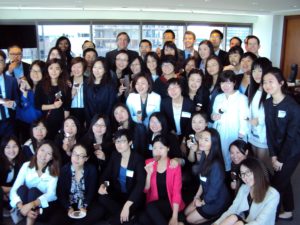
column 186, row 114
column 281, row 114
column 204, row 179
column 129, row 173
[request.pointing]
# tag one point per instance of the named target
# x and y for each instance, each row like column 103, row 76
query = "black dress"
column 54, row 117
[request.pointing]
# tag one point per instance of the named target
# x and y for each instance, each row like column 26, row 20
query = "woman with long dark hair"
column 35, row 186
column 163, row 187
column 256, row 200
column 256, row 96
column 26, row 112
column 53, row 96
column 153, row 66
column 11, row 160
column 98, row 141
column 99, row 92
column 283, row 136
column 212, row 197
column 38, row 133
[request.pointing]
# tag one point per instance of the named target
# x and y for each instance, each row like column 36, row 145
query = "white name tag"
column 281, row 114
column 204, row 179
column 129, row 173
column 186, row 114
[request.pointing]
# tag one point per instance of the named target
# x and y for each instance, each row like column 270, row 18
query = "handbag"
column 16, row 215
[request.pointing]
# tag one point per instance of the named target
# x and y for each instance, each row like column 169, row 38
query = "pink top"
column 173, row 182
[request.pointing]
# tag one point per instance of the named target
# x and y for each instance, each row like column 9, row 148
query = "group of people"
column 166, row 137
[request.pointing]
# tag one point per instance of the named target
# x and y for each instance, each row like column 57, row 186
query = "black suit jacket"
column 111, row 56
column 65, row 181
column 26, row 69
column 195, row 55
column 135, row 182
column 187, row 107
column 223, row 56
column 11, row 91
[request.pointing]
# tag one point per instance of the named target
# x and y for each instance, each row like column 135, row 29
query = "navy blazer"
column 188, row 107
column 283, row 128
column 134, row 184
column 11, row 91
column 65, row 181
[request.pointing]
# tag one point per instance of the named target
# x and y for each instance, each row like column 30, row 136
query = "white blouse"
column 29, row 177
column 234, row 113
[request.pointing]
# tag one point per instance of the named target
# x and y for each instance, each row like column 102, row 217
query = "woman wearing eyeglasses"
column 76, row 189
column 256, row 201
column 122, row 182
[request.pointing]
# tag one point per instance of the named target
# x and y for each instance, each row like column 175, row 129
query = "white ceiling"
column 251, row 7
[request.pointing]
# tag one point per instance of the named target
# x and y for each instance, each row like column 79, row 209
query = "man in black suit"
column 16, row 67
column 8, row 99
column 189, row 40
column 216, row 38
column 123, row 40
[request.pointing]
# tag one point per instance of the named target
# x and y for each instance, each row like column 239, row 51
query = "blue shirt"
column 77, row 101
column 122, row 179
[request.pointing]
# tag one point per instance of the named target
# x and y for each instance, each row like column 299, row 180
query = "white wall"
column 269, row 30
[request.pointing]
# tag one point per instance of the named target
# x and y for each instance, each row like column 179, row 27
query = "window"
column 241, row 32
column 104, row 36
column 203, row 32
column 154, row 33
column 48, row 34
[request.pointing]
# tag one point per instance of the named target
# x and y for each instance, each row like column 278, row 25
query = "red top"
column 173, row 182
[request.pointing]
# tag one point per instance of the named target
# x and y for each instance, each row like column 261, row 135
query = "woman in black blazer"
column 99, row 92
column 283, row 137
column 177, row 109
column 122, row 182
column 76, row 188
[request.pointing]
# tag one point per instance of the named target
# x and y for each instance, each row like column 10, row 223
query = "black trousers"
column 7, row 128
column 112, row 204
column 93, row 216
column 282, row 182
column 31, row 194
column 1, row 204
column 156, row 213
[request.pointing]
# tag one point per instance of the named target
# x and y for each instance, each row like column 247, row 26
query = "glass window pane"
column 241, row 32
column 48, row 34
column 203, row 32
column 104, row 36
column 29, row 55
column 154, row 33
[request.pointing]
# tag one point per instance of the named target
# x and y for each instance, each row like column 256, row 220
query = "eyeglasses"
column 78, row 156
column 245, row 174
